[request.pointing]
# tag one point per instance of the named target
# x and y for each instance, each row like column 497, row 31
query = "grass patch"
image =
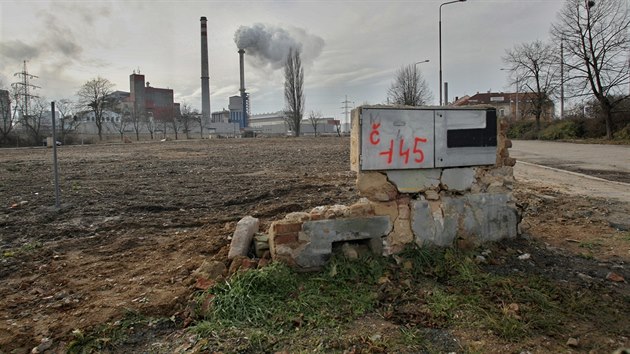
column 272, row 304
column 26, row 248
column 275, row 308
column 114, row 336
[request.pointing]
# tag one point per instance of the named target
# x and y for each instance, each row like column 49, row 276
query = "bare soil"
column 137, row 219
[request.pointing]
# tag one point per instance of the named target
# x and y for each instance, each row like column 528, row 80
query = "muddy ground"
column 137, row 219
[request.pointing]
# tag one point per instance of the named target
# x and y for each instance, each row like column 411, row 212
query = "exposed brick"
column 282, row 228
column 282, row 239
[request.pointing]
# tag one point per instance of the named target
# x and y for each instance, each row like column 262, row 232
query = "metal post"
column 561, row 78
column 517, row 87
column 440, row 41
column 56, row 171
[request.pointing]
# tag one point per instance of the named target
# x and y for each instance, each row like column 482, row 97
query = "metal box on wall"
column 418, row 138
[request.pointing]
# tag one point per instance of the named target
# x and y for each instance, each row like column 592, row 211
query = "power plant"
column 205, row 79
column 241, row 55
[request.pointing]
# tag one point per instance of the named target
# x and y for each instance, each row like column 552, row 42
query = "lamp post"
column 440, row 42
column 517, row 82
column 420, row 62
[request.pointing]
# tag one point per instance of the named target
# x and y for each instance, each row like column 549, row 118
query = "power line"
column 346, row 108
column 23, row 89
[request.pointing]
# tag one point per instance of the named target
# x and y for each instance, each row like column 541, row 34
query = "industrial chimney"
column 241, row 55
column 205, row 80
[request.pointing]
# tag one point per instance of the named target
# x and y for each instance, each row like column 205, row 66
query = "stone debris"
column 573, row 342
column 261, row 244
column 525, row 256
column 243, row 235
column 45, row 344
column 614, row 277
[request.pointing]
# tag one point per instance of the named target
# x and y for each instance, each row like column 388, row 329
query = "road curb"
column 573, row 173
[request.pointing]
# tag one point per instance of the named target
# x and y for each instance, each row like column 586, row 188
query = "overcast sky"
column 351, row 48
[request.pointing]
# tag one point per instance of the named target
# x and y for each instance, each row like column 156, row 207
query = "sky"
column 350, row 48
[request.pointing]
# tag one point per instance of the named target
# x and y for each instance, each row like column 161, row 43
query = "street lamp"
column 516, row 108
column 420, row 62
column 440, row 40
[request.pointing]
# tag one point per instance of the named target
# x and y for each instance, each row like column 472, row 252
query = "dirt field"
column 137, row 219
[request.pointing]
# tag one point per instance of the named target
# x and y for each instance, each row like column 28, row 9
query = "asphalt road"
column 573, row 157
column 601, row 171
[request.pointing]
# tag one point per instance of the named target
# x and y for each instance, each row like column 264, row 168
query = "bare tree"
column 68, row 121
column 176, row 123
column 94, row 96
column 533, row 67
column 122, row 118
column 7, row 119
column 294, row 90
column 315, row 118
column 596, row 42
column 35, row 120
column 150, row 124
column 409, row 87
column 136, row 119
column 187, row 118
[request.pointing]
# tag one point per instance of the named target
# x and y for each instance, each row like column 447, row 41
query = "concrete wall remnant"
column 447, row 206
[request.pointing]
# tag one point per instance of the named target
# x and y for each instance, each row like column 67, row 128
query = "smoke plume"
column 268, row 46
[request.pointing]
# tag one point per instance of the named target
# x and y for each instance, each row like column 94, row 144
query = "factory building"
column 276, row 124
column 152, row 101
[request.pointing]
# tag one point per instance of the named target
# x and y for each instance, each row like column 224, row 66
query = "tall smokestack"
column 241, row 56
column 205, row 80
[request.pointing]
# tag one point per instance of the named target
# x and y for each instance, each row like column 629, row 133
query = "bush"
column 565, row 129
column 623, row 134
column 525, row 129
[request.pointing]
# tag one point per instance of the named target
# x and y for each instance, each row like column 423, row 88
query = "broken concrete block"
column 475, row 217
column 375, row 186
column 321, row 235
column 414, row 181
column 458, row 179
column 243, row 235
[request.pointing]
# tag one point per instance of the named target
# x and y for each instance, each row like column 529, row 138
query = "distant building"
column 5, row 106
column 222, row 116
column 276, row 124
column 513, row 106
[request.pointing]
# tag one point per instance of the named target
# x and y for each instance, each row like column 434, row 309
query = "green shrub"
column 565, row 129
column 525, row 129
column 623, row 134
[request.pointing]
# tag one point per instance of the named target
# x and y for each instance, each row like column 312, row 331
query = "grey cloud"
column 267, row 45
column 18, row 50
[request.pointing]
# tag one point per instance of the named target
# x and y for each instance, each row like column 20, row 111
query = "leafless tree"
column 7, row 118
column 136, row 119
column 294, row 90
column 533, row 67
column 122, row 118
column 150, row 124
column 176, row 123
column 94, row 96
column 409, row 87
column 315, row 118
column 68, row 121
column 187, row 118
column 34, row 122
column 596, row 44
